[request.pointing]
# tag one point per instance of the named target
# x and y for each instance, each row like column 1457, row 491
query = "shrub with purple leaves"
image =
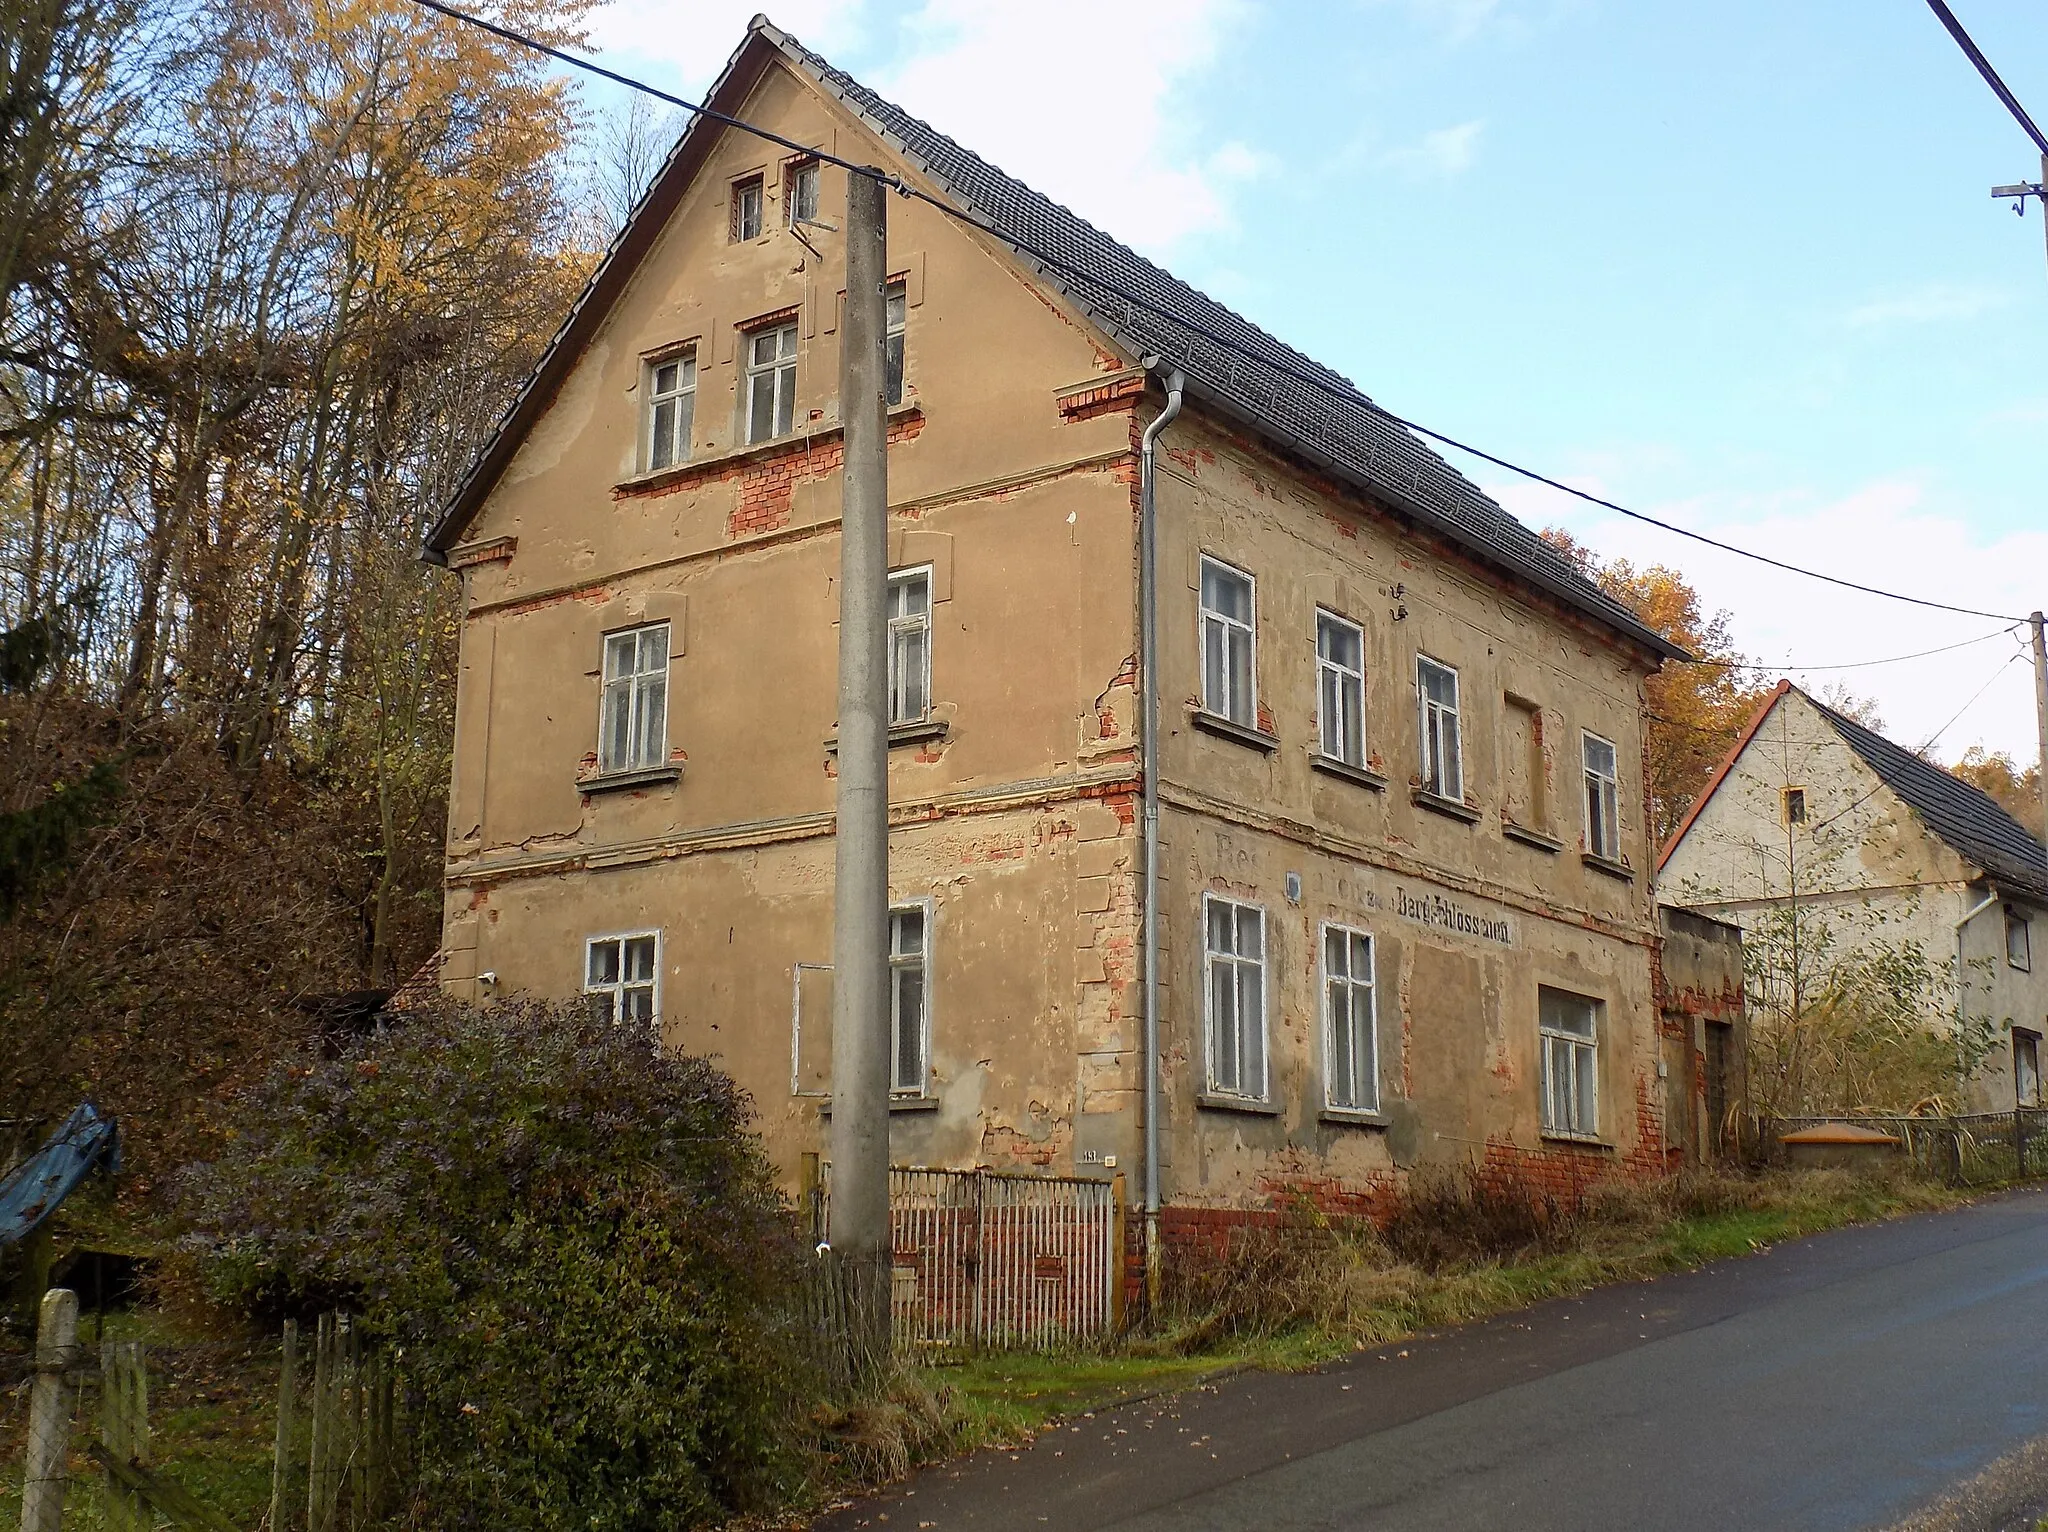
column 571, row 1238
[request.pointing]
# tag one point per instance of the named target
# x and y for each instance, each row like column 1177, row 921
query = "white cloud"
column 1885, row 534
column 696, row 44
column 1444, row 152
column 1081, row 99
column 1455, row 20
column 1930, row 303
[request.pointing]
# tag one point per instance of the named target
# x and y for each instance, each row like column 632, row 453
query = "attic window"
column 746, row 210
column 800, row 193
column 2019, row 946
column 1795, row 805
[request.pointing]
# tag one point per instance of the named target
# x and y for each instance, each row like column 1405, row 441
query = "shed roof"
column 1334, row 426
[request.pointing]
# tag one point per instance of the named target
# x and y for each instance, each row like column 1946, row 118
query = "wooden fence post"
column 281, row 1462
column 49, row 1413
column 124, row 1430
column 321, row 1426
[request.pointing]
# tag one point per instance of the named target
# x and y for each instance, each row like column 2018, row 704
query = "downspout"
column 1148, row 708
column 1961, row 981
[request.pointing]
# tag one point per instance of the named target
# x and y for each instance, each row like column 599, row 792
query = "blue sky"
column 1735, row 265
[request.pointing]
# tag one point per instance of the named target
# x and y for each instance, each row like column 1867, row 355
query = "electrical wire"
column 1925, row 745
column 1975, row 54
column 1896, row 659
column 1348, row 394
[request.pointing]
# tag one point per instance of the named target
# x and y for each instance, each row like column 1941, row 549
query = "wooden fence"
column 986, row 1259
column 335, row 1458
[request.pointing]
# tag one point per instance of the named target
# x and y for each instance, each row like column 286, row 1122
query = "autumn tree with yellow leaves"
column 270, row 270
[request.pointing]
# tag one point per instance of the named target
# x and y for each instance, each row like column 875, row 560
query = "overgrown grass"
column 1458, row 1250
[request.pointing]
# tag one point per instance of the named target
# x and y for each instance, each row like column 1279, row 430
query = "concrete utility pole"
column 859, row 1231
column 2040, row 628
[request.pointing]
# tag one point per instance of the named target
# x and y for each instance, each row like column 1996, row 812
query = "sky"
column 1735, row 266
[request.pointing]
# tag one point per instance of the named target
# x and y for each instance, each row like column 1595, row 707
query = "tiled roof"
column 1333, row 424
column 1971, row 822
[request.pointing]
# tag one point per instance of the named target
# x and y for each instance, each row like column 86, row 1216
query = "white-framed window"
column 622, row 976
column 771, row 382
column 2019, row 940
column 1229, row 643
column 1234, row 943
column 1340, row 687
column 1603, row 797
column 633, row 721
column 746, row 209
column 910, row 645
column 1351, row 1072
column 800, row 193
column 910, row 1011
column 896, row 314
column 1568, row 1028
column 671, row 408
column 2026, row 1067
column 1443, row 756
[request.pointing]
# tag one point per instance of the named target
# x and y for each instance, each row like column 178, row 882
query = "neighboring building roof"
column 1970, row 821
column 1967, row 820
column 1338, row 430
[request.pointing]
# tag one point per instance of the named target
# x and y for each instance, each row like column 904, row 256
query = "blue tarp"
column 85, row 1142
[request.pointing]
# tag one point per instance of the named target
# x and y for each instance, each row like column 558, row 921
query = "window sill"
column 1363, row 776
column 1529, row 837
column 1577, row 1140
column 1450, row 808
column 1210, row 1101
column 619, row 781
column 1613, row 869
column 1231, row 729
column 1345, row 1117
column 903, row 734
column 896, row 1104
column 816, row 436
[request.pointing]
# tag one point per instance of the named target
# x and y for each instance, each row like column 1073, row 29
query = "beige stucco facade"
column 1861, row 869
column 1014, row 480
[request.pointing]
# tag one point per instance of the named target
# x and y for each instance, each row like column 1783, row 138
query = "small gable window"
column 1795, row 805
column 746, row 209
column 800, row 193
column 898, row 309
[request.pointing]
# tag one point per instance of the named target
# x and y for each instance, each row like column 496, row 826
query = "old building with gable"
column 1404, row 910
column 1814, row 818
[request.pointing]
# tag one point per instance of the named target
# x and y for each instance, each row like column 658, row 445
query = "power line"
column 1349, row 394
column 1925, row 745
column 1895, row 659
column 1964, row 41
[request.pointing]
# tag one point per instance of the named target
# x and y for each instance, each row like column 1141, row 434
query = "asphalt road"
column 1844, row 1381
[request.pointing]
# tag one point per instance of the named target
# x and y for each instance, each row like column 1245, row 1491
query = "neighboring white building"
column 1811, row 811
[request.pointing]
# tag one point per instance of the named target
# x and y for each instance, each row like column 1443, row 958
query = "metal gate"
column 988, row 1259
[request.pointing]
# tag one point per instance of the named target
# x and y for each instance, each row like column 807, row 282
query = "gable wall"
column 1863, row 868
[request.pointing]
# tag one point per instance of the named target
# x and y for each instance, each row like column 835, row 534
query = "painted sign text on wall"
column 1447, row 914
